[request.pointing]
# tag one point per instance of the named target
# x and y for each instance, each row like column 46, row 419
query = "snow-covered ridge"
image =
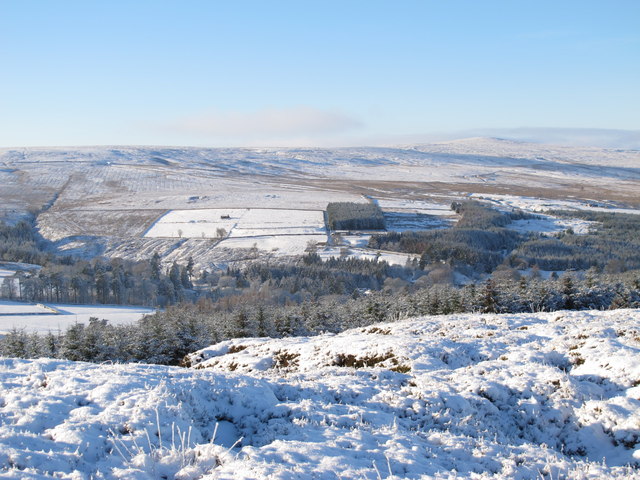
column 479, row 151
column 487, row 152
column 552, row 395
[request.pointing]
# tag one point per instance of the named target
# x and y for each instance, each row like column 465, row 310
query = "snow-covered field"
column 54, row 317
column 280, row 245
column 8, row 307
column 392, row 258
column 285, row 231
column 548, row 224
column 531, row 204
column 528, row 396
column 238, row 223
column 416, row 206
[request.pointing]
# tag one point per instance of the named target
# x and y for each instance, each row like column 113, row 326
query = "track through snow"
column 551, row 395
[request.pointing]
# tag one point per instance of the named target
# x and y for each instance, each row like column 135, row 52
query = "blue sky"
column 236, row 73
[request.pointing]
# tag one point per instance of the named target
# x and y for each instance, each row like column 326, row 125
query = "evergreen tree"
column 14, row 344
column 73, row 346
column 174, row 276
column 568, row 292
column 489, row 298
column 50, row 345
column 155, row 266
column 261, row 321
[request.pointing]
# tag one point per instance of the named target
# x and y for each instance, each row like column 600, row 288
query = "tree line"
column 165, row 337
column 102, row 281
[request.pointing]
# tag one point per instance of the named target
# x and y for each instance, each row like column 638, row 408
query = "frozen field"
column 195, row 223
column 53, row 317
column 238, row 223
column 280, row 231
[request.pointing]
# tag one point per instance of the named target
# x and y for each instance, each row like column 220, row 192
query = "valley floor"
column 552, row 395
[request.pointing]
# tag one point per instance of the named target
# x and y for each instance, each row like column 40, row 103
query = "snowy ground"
column 547, row 224
column 527, row 396
column 238, row 223
column 392, row 258
column 416, row 206
column 284, row 231
column 8, row 307
column 531, row 204
column 54, row 317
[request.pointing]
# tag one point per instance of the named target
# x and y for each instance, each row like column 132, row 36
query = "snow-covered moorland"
column 553, row 395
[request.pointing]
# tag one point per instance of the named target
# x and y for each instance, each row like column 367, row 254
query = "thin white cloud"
column 267, row 124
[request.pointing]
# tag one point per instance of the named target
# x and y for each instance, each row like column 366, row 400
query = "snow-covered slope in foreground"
column 526, row 396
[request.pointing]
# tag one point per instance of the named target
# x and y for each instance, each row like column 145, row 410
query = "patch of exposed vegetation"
column 351, row 361
column 284, row 359
column 236, row 348
column 379, row 331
